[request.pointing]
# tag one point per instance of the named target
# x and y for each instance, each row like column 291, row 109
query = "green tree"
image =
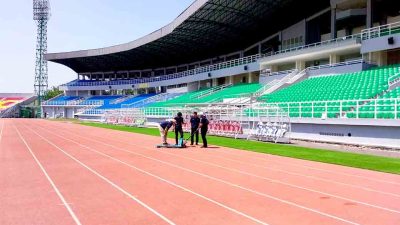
column 51, row 93
column 129, row 92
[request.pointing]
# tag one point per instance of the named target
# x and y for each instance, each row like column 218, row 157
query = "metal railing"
column 237, row 99
column 266, row 72
column 380, row 31
column 317, row 44
column 94, row 112
column 122, row 99
column 340, row 109
column 385, row 108
column 333, row 65
column 204, row 69
column 394, row 79
column 274, row 82
column 159, row 97
column 284, row 80
column 212, row 91
column 74, row 103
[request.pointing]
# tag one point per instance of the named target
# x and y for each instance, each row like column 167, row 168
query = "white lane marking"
column 249, row 174
column 71, row 212
column 263, row 157
column 284, row 183
column 296, row 174
column 298, row 165
column 166, row 181
column 157, row 177
column 106, row 180
column 312, row 177
column 311, row 167
column 210, row 177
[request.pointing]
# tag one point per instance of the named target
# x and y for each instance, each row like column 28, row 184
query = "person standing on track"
column 194, row 127
column 204, row 129
column 178, row 126
column 164, row 128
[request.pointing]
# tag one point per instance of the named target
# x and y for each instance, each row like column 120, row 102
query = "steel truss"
column 41, row 14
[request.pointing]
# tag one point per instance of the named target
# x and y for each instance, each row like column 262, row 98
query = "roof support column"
column 214, row 82
column 250, row 79
column 333, row 58
column 230, row 80
column 300, row 65
column 370, row 21
column 333, row 22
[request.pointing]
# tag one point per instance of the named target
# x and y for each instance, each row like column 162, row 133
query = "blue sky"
column 74, row 25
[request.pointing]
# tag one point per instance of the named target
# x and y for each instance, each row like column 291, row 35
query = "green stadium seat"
column 196, row 97
column 351, row 86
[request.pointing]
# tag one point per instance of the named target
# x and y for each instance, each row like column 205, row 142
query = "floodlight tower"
column 41, row 14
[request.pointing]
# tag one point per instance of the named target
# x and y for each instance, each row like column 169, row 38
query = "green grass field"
column 376, row 163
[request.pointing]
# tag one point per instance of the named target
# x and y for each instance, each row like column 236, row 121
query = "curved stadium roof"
column 206, row 29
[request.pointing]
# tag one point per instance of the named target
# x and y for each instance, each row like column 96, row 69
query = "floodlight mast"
column 41, row 14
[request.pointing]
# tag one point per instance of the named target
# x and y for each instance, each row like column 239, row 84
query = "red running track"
column 61, row 173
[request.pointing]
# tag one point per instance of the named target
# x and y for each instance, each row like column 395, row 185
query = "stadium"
column 200, row 61
column 267, row 75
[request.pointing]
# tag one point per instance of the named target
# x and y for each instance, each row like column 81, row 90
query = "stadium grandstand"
column 271, row 68
column 10, row 103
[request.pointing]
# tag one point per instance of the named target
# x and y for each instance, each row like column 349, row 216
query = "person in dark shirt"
column 194, row 127
column 203, row 130
column 178, row 126
column 164, row 128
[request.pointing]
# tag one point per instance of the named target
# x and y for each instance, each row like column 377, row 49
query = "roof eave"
column 196, row 5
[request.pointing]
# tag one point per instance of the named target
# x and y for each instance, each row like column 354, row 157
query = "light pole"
column 41, row 14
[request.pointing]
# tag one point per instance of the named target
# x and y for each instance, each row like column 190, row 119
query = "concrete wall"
column 193, row 86
column 348, row 134
column 70, row 112
column 52, row 112
column 364, row 132
column 296, row 31
column 205, row 83
column 250, row 78
column 338, row 70
column 181, row 89
column 267, row 79
column 380, row 44
column 345, row 46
